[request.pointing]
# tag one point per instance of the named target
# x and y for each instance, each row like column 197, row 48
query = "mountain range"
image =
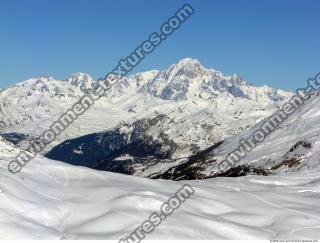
column 161, row 122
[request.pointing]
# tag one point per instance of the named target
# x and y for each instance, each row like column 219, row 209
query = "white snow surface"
column 301, row 126
column 53, row 200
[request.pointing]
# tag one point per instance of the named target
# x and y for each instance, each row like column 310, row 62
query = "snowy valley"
column 54, row 200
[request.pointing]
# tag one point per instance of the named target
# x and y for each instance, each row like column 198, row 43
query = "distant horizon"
column 273, row 43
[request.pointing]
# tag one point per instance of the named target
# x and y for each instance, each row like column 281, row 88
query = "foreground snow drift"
column 53, row 200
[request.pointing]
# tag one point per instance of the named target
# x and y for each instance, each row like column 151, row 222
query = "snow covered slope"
column 208, row 104
column 148, row 140
column 292, row 148
column 53, row 200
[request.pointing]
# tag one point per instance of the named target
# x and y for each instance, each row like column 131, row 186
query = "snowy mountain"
column 36, row 100
column 204, row 105
column 147, row 148
column 292, row 148
column 189, row 80
column 53, row 200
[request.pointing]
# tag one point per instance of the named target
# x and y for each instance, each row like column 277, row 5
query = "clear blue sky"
column 273, row 42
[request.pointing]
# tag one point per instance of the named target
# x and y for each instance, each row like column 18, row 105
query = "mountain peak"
column 189, row 64
column 188, row 61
